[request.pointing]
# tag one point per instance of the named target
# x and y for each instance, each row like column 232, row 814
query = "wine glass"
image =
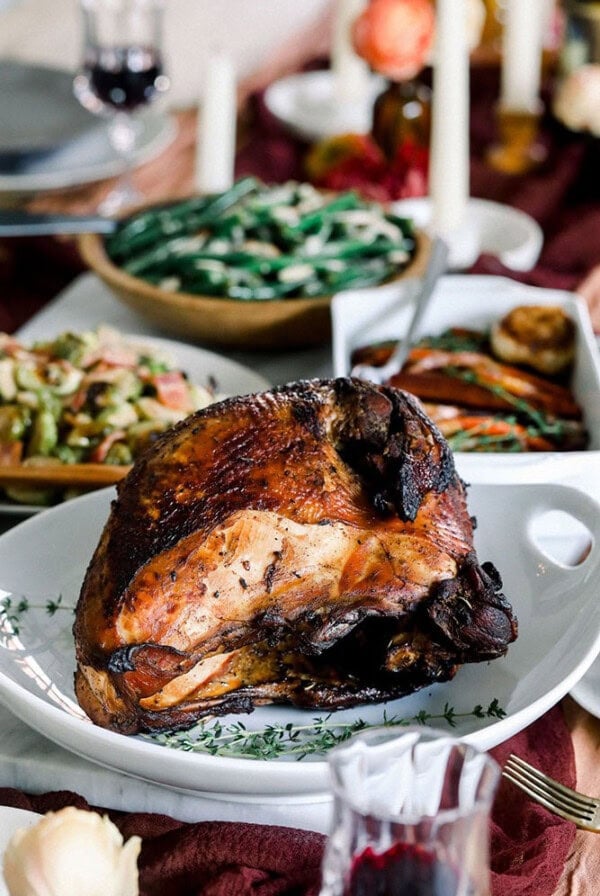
column 410, row 815
column 121, row 72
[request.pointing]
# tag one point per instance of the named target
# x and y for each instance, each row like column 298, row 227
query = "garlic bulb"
column 71, row 853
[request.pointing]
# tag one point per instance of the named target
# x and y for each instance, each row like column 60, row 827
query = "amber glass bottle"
column 402, row 114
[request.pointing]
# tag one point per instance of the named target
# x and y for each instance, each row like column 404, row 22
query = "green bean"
column 406, row 225
column 341, row 203
column 149, row 227
column 355, row 279
column 150, row 260
column 270, row 291
column 263, row 264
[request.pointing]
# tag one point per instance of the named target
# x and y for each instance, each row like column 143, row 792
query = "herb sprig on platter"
column 236, row 741
column 12, row 609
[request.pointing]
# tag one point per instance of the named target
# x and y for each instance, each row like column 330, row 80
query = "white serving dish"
column 370, row 315
column 556, row 604
column 203, row 367
column 51, row 142
column 307, row 104
column 491, row 228
column 587, row 690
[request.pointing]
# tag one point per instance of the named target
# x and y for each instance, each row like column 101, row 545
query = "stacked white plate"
column 48, row 141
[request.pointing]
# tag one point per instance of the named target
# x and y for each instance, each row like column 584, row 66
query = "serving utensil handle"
column 437, row 264
column 21, row 223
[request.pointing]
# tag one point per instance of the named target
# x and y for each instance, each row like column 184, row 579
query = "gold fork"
column 583, row 810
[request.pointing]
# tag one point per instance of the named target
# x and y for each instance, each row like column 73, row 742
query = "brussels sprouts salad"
column 94, row 396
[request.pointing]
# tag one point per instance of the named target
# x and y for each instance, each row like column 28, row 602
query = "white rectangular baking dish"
column 360, row 317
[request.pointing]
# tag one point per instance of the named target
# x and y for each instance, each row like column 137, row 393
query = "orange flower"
column 395, row 36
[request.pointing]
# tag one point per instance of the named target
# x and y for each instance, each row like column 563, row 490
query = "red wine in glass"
column 404, row 868
column 410, row 815
column 123, row 78
column 121, row 72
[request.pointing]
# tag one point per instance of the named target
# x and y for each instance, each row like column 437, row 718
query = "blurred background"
column 48, row 33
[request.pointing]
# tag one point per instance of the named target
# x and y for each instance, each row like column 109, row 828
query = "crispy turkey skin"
column 309, row 545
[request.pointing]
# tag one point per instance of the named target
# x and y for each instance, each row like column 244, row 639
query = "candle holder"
column 519, row 149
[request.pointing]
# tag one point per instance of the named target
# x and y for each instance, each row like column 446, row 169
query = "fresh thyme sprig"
column 236, row 741
column 13, row 609
column 478, row 438
column 544, row 425
column 298, row 741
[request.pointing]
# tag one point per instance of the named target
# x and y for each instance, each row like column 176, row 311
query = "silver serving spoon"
column 437, row 264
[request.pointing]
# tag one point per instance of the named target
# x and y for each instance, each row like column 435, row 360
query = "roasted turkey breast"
column 308, row 545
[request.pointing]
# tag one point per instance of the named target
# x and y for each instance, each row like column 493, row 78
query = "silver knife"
column 15, row 222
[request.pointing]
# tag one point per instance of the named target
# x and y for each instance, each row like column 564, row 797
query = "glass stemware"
column 121, row 72
column 410, row 815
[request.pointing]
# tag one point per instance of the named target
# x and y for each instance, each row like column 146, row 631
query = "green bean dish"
column 256, row 242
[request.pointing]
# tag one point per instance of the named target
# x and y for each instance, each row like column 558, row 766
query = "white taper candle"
column 215, row 146
column 524, row 24
column 449, row 150
column 350, row 72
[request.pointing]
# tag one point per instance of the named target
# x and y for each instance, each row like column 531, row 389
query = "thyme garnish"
column 12, row 609
column 538, row 418
column 478, row 438
column 236, row 741
column 317, row 738
column 456, row 340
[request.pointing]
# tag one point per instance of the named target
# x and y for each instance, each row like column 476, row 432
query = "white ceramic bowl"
column 491, row 228
column 556, row 604
column 308, row 105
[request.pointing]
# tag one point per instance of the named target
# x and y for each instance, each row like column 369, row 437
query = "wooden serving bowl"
column 255, row 324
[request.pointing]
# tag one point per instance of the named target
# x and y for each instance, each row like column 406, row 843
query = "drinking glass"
column 410, row 815
column 120, row 73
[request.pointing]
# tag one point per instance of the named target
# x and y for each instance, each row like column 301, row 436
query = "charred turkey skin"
column 308, row 545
